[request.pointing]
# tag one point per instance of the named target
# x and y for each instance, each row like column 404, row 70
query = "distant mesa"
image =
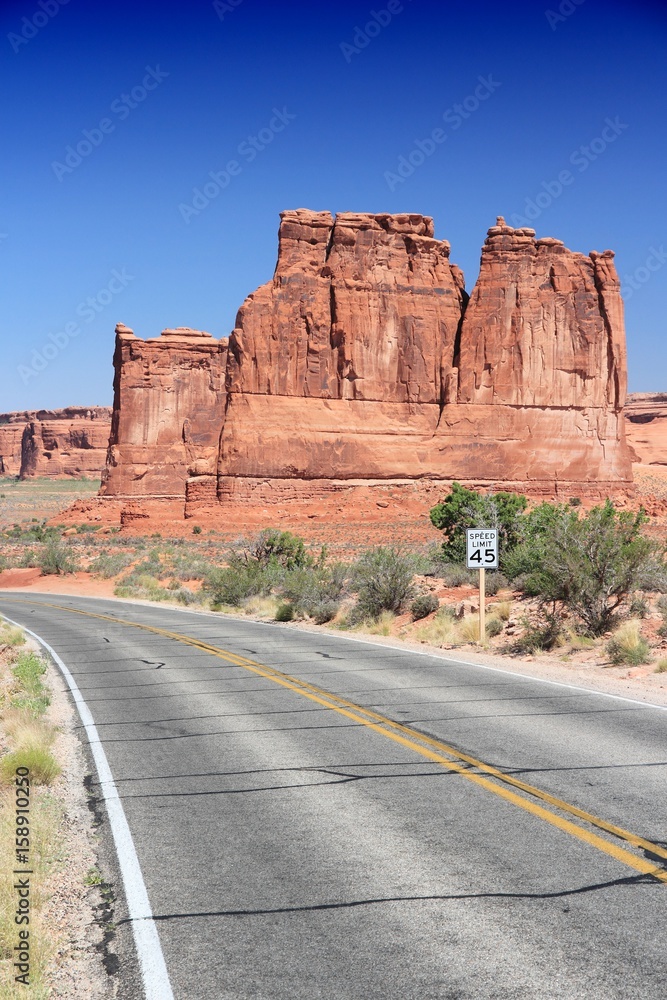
column 364, row 361
column 61, row 444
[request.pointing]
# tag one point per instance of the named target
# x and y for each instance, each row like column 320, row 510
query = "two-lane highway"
column 318, row 817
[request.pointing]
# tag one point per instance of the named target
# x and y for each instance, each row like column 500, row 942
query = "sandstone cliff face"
column 169, row 397
column 363, row 361
column 59, row 443
column 544, row 326
column 646, row 426
column 367, row 318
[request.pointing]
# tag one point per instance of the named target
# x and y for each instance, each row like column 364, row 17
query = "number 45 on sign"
column 482, row 554
column 482, row 548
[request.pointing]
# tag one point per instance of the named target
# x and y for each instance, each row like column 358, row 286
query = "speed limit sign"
column 482, row 548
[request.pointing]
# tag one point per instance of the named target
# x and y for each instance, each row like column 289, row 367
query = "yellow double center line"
column 484, row 775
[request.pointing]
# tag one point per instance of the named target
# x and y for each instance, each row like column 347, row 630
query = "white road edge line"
column 149, row 950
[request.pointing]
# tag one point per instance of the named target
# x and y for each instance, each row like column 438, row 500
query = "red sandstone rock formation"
column 169, row 399
column 11, row 433
column 359, row 362
column 57, row 443
column 646, row 426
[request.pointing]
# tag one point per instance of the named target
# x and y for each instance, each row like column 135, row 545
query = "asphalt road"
column 294, row 846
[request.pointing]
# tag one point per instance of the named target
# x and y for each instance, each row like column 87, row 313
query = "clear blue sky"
column 112, row 228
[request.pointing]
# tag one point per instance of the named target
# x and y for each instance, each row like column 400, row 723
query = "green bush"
column 424, row 605
column 464, row 508
column 109, row 564
column 306, row 588
column 639, row 607
column 494, row 582
column 588, row 564
column 232, row 584
column 325, row 611
column 196, row 530
column 281, row 548
column 382, row 578
column 285, row 613
column 55, row 558
column 456, row 575
column 494, row 626
column 541, row 634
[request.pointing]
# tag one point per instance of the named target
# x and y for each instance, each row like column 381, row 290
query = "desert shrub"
column 382, row 578
column 494, row 627
column 285, row 612
column 494, row 582
column 55, row 558
column 325, row 611
column 272, row 546
column 232, row 584
column 197, row 529
column 109, row 564
column 457, row 575
column 639, row 607
column 308, row 587
column 464, row 508
column 543, row 633
column 662, row 608
column 191, row 566
column 627, row 645
column 661, row 666
column 185, row 596
column 590, row 563
column 423, row 605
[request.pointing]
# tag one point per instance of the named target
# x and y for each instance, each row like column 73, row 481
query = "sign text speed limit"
column 482, row 548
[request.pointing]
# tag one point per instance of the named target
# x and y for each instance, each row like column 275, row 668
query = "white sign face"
column 482, row 548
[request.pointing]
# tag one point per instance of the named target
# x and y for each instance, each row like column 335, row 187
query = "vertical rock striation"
column 54, row 443
column 362, row 360
column 169, row 396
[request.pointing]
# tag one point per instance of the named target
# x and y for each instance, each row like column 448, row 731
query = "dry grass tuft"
column 627, row 645
column 502, row 610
